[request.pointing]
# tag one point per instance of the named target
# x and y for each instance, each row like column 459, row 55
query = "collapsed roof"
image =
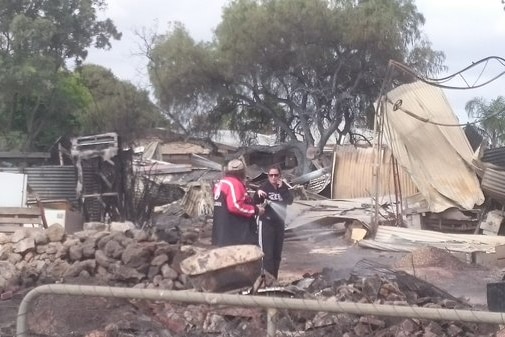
column 426, row 139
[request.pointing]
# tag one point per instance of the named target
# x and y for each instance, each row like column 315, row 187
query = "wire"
column 436, row 83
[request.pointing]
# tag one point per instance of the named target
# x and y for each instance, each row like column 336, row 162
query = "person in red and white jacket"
column 234, row 211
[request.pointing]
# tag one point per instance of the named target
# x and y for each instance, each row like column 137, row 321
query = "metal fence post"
column 271, row 326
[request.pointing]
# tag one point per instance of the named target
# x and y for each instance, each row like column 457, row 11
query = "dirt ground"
column 299, row 258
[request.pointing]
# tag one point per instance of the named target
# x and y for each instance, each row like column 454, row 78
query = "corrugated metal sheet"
column 303, row 212
column 353, row 174
column 493, row 184
column 494, row 156
column 49, row 182
column 175, row 148
column 432, row 149
column 408, row 239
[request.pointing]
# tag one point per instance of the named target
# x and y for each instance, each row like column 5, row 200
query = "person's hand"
column 261, row 210
column 262, row 193
column 279, row 183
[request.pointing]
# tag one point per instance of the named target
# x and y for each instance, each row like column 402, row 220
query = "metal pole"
column 378, row 138
column 254, row 301
column 378, row 124
column 271, row 322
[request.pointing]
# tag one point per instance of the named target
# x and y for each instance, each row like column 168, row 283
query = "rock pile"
column 202, row 320
column 124, row 258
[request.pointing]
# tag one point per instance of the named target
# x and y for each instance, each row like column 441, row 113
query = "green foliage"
column 181, row 72
column 39, row 98
column 115, row 105
column 491, row 118
column 303, row 68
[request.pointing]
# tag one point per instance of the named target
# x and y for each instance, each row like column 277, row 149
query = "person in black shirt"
column 272, row 222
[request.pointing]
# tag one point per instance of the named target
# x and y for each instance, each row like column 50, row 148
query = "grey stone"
column 71, row 241
column 140, row 235
column 54, row 248
column 178, row 285
column 5, row 251
column 373, row 321
column 136, row 256
column 8, row 271
column 21, row 265
column 409, row 326
column 113, row 249
column 185, row 280
column 362, row 330
column 102, row 259
column 169, row 272
column 76, row 268
column 454, row 330
column 124, row 273
column 435, row 328
column 101, row 271
column 121, row 226
column 4, row 238
column 37, row 266
column 157, row 280
column 123, row 240
column 153, row 271
column 57, row 269
column 430, row 334
column 19, row 235
column 159, row 260
column 15, row 258
column 189, row 237
column 95, row 226
column 214, row 323
column 88, row 248
column 84, row 234
column 40, row 237
column 75, row 253
column 41, row 249
column 166, row 284
column 55, row 232
column 24, row 245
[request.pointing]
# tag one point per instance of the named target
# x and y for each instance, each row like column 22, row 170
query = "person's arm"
column 257, row 199
column 236, row 201
column 260, row 195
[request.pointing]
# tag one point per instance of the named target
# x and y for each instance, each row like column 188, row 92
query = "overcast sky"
column 465, row 30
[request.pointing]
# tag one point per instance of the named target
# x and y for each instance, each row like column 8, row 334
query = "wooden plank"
column 21, row 220
column 19, row 211
column 25, row 155
column 13, row 228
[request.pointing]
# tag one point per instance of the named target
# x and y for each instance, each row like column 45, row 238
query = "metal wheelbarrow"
column 224, row 269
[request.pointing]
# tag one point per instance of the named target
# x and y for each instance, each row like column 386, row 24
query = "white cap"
column 235, row 165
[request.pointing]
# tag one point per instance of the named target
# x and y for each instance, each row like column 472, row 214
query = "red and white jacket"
column 234, row 213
